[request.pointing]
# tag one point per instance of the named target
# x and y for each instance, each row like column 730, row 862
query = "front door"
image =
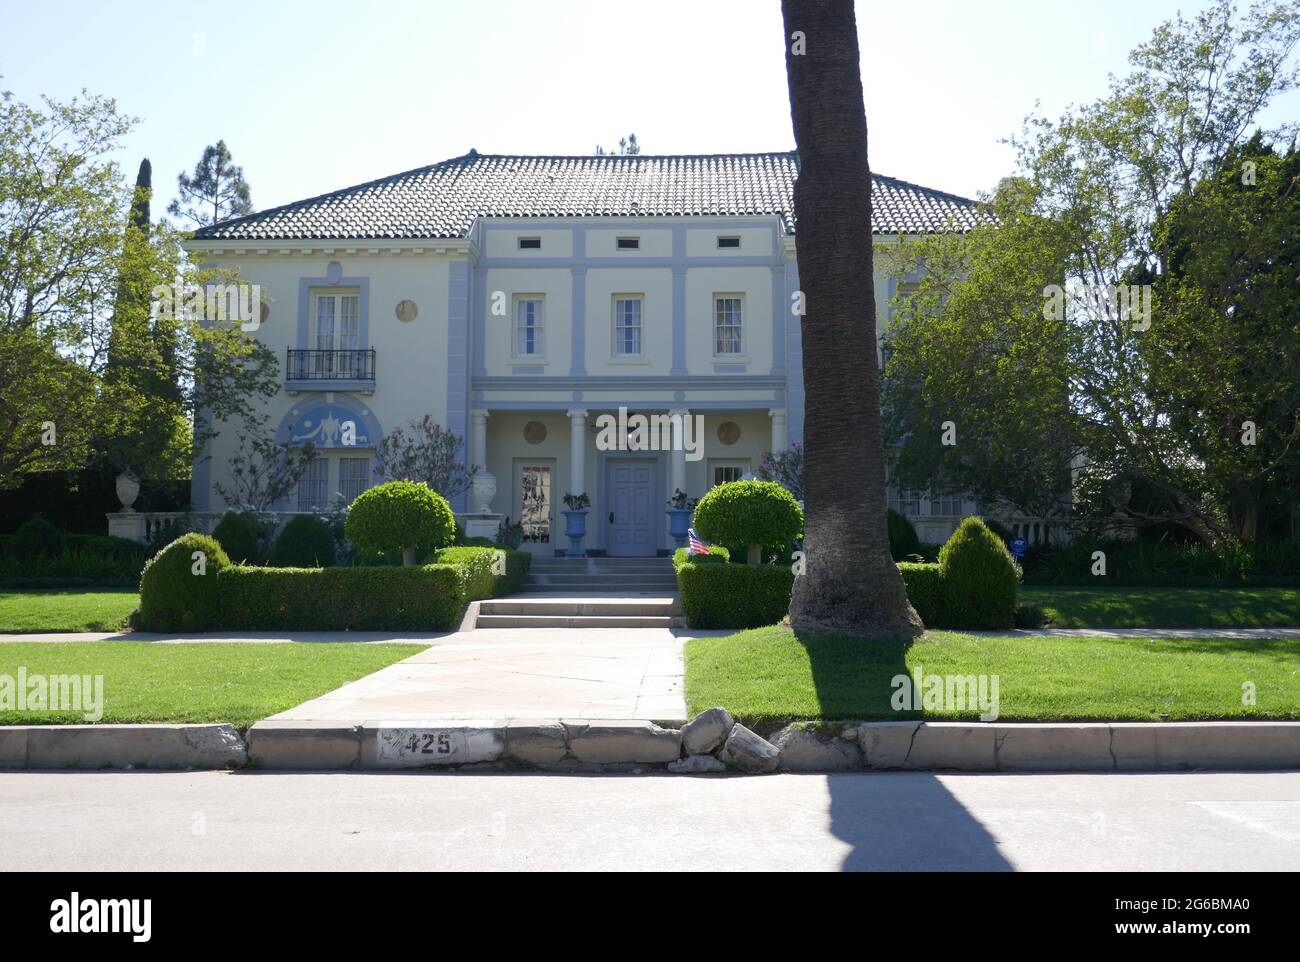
column 629, row 487
column 534, row 505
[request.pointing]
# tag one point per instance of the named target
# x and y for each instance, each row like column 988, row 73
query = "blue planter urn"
column 679, row 523
column 575, row 529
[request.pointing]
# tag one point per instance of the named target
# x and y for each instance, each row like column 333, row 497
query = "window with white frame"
column 354, row 477
column 627, row 325
column 336, row 333
column 313, row 486
column 529, row 327
column 727, row 309
column 905, row 502
column 724, row 472
column 947, row 505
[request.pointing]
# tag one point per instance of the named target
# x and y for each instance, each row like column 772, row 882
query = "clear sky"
column 316, row 95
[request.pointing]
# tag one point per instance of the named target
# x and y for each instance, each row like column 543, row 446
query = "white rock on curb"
column 805, row 751
column 749, row 752
column 706, row 731
column 696, row 765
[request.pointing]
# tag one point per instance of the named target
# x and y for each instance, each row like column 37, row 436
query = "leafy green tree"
column 216, row 191
column 1101, row 330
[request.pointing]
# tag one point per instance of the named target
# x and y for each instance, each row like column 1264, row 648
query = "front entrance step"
column 610, row 582
column 598, row 586
column 577, row 621
column 567, row 611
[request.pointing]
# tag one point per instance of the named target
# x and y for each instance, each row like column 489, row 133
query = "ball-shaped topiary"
column 748, row 515
column 903, row 541
column 400, row 514
column 305, row 542
column 240, row 536
column 36, row 538
column 979, row 578
column 178, row 586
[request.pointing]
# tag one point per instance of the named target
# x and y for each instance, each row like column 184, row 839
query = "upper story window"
column 725, row 243
column 529, row 326
column 628, row 243
column 727, row 310
column 530, row 243
column 335, row 349
column 627, row 325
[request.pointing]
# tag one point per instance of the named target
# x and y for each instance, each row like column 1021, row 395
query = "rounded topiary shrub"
column 979, row 578
column 746, row 515
column 240, row 537
column 36, row 538
column 305, row 542
column 178, row 587
column 903, row 541
column 400, row 514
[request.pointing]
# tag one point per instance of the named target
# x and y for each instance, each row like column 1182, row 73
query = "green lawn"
column 66, row 610
column 215, row 682
column 767, row 676
column 1070, row 607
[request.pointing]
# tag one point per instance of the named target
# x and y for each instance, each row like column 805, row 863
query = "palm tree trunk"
column 851, row 584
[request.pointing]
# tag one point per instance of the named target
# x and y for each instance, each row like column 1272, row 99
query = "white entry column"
column 478, row 439
column 578, row 452
column 677, row 459
column 778, row 429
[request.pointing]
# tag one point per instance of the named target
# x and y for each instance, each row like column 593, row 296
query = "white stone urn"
column 128, row 489
column 481, row 492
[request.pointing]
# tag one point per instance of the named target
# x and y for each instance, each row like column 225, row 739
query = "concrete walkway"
column 513, row 673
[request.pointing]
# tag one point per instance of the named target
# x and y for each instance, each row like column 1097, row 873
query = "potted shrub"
column 680, row 509
column 575, row 522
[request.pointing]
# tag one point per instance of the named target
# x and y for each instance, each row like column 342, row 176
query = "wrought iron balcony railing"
column 354, row 365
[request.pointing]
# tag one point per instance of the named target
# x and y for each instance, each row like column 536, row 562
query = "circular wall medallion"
column 265, row 312
column 728, row 432
column 407, row 311
column 534, row 432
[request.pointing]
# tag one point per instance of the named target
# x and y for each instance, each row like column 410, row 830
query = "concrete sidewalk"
column 534, row 673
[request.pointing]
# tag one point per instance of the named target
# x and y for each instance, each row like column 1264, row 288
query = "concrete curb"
column 94, row 747
column 586, row 745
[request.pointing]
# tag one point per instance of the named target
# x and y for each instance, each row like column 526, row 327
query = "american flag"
column 697, row 546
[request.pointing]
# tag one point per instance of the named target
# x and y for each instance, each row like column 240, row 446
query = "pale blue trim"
column 341, row 385
column 564, row 404
column 679, row 368
column 363, row 414
column 605, row 382
column 794, row 362
column 480, row 307
column 597, row 262
column 730, row 368
column 529, row 369
column 780, row 307
column 578, row 322
column 458, row 380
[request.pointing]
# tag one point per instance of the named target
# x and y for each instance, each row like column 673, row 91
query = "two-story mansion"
column 517, row 299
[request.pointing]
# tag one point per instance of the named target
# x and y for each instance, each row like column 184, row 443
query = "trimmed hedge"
column 734, row 596
column 35, row 539
column 240, row 536
column 477, row 564
column 425, row 598
column 979, row 578
column 400, row 514
column 717, row 555
column 903, row 540
column 172, row 596
column 924, row 590
column 305, row 542
column 744, row 513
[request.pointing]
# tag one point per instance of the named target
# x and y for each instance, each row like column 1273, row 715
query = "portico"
column 627, row 459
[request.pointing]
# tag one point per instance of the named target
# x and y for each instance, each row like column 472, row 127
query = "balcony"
column 352, row 370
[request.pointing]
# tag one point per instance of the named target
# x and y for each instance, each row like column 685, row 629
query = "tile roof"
column 443, row 199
